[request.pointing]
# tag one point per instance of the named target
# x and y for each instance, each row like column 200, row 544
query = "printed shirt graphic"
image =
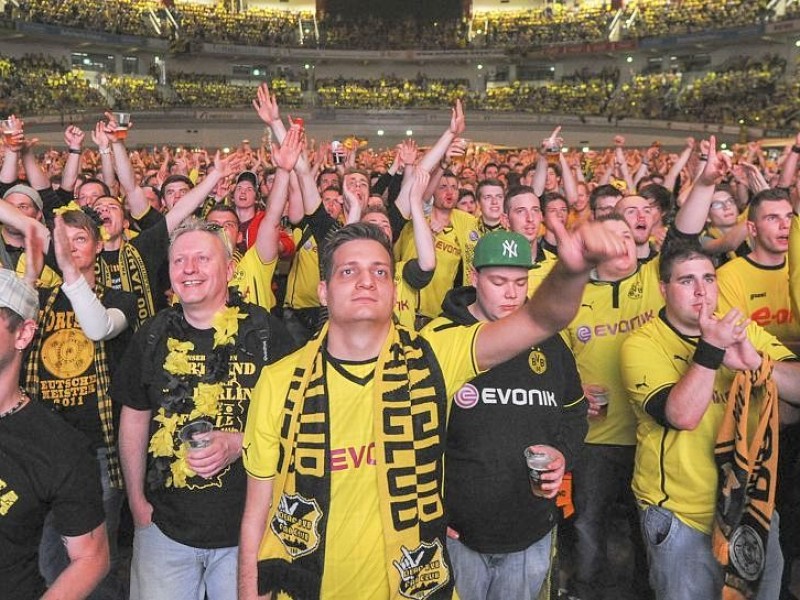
column 608, row 314
column 761, row 293
column 206, row 513
column 355, row 564
column 675, row 468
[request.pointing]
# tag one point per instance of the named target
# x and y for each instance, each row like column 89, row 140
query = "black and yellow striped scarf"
column 104, row 405
column 747, row 482
column 409, row 426
column 133, row 277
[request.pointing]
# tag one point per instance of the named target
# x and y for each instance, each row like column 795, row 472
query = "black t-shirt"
column 67, row 370
column 206, row 513
column 44, row 465
column 534, row 398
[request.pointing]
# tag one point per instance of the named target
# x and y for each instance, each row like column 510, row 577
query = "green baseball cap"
column 503, row 249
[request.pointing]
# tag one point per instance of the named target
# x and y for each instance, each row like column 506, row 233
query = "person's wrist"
column 73, row 150
column 104, row 151
column 708, row 355
column 703, row 156
column 796, row 149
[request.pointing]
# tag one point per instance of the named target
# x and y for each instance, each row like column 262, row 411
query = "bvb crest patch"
column 422, row 570
column 296, row 523
column 537, row 362
column 636, row 290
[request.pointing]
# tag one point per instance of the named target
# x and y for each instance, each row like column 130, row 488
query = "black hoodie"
column 534, row 398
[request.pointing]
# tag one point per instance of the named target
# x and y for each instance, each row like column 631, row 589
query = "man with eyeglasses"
column 603, row 199
column 726, row 233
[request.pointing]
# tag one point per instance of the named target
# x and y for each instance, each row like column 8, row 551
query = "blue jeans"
column 601, row 477
column 682, row 564
column 163, row 569
column 517, row 575
column 53, row 558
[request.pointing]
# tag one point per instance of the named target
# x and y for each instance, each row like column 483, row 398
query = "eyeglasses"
column 721, row 204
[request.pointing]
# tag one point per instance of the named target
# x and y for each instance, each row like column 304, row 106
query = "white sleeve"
column 96, row 321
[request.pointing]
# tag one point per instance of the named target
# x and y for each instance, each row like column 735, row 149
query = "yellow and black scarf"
column 747, row 481
column 104, row 404
column 409, row 426
column 133, row 277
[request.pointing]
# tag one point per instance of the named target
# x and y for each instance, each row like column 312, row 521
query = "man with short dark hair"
column 758, row 284
column 345, row 436
column 603, row 199
column 691, row 374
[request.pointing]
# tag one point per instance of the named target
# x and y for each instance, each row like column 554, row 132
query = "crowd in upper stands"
column 514, row 31
column 758, row 91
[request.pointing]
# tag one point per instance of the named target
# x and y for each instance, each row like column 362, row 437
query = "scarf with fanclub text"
column 133, row 277
column 409, row 427
column 747, row 481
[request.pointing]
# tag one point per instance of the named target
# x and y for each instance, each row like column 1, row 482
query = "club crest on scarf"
column 422, row 570
column 296, row 523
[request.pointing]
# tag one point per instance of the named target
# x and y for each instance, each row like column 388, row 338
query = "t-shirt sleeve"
column 77, row 501
column 414, row 276
column 454, row 348
column 645, row 370
column 321, row 224
column 768, row 344
column 731, row 291
column 261, row 443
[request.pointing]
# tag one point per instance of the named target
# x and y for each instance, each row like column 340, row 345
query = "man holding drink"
column 528, row 409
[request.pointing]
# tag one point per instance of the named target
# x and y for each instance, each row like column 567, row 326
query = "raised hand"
column 266, row 105
column 585, row 246
column 228, row 166
column 407, row 152
column 458, row 122
column 285, row 155
column 99, row 136
column 74, row 136
column 717, row 164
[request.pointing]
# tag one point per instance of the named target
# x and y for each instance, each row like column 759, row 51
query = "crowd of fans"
column 759, row 91
column 37, row 84
column 514, row 31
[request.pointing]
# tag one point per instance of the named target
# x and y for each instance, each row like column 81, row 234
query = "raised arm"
column 423, row 238
column 789, row 169
column 223, row 167
column 568, row 181
column 266, row 106
column 284, row 156
column 8, row 173
column 73, row 138
column 103, row 143
column 683, row 159
column 692, row 215
column 457, row 125
column 36, row 176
